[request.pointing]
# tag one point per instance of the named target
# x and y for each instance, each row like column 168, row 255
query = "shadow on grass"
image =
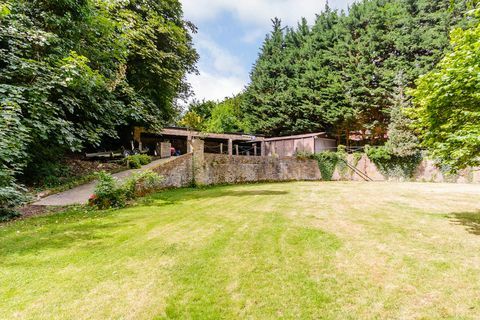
column 471, row 220
column 78, row 228
column 72, row 228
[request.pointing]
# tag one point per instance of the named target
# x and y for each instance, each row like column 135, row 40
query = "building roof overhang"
column 322, row 135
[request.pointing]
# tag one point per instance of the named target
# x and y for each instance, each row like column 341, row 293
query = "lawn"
column 303, row 250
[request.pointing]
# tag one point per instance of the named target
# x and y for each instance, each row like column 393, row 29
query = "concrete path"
column 80, row 194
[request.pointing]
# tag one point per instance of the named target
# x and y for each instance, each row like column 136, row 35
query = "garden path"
column 80, row 194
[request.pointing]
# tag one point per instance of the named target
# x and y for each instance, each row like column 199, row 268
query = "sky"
column 230, row 34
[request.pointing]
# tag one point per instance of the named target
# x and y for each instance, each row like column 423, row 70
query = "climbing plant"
column 327, row 163
column 391, row 165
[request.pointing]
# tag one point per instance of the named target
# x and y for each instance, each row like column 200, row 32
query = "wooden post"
column 236, row 149
column 255, row 149
column 221, row 148
column 230, row 147
column 262, row 148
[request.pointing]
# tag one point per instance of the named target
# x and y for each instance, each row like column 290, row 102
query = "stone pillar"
column 262, row 148
column 189, row 144
column 230, row 147
column 221, row 148
column 198, row 147
column 165, row 150
column 255, row 149
column 236, row 149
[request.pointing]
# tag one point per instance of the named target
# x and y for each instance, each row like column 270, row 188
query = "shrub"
column 12, row 196
column 144, row 159
column 107, row 192
column 137, row 161
column 110, row 194
column 142, row 184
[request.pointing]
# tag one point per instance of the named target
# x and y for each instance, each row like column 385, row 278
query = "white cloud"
column 222, row 74
column 219, row 59
column 252, row 36
column 212, row 86
column 259, row 12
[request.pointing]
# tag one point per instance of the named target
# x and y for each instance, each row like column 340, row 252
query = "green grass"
column 304, row 250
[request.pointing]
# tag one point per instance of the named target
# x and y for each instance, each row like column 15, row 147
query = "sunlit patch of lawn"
column 304, row 250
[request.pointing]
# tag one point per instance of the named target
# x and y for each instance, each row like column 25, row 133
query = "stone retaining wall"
column 427, row 171
column 219, row 169
column 177, row 172
column 209, row 169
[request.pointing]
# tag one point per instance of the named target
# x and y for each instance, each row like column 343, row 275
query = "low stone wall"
column 177, row 172
column 427, row 171
column 209, row 169
column 220, row 169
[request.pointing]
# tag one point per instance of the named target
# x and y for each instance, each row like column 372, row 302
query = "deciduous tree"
column 447, row 102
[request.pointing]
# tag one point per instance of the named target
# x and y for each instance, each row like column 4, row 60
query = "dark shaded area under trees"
column 74, row 72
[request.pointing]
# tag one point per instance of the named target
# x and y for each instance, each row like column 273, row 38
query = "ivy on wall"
column 391, row 165
column 327, row 162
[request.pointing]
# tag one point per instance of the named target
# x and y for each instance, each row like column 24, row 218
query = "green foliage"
column 392, row 165
column 203, row 108
column 13, row 137
column 73, row 72
column 357, row 156
column 192, row 120
column 199, row 112
column 108, row 193
column 12, row 196
column 342, row 167
column 402, row 141
column 339, row 75
column 226, row 117
column 447, row 102
column 160, row 53
column 137, row 161
column 303, row 155
column 217, row 117
column 50, row 174
column 45, row 167
column 143, row 183
column 330, row 161
column 327, row 162
column 12, row 155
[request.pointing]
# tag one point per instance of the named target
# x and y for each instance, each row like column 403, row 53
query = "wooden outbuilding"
column 290, row 145
column 233, row 143
column 221, row 143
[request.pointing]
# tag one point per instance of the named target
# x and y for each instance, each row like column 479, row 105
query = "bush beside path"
column 80, row 194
